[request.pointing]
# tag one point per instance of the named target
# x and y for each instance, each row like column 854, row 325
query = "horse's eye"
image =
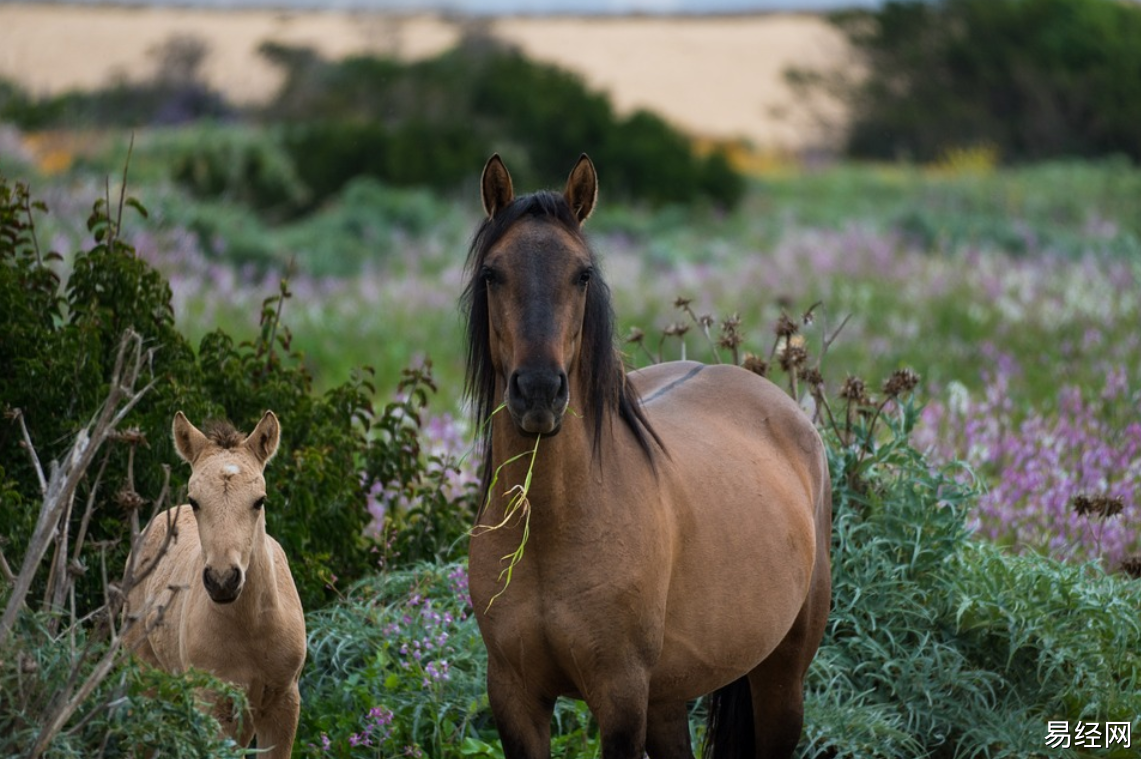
column 193, row 504
column 489, row 275
column 259, row 503
column 585, row 276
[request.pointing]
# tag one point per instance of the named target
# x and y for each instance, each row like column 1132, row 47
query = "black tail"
column 729, row 724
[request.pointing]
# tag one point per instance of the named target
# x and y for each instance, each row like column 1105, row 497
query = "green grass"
column 930, row 266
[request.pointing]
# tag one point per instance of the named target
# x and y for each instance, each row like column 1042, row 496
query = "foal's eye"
column 584, row 277
column 259, row 503
column 489, row 275
column 193, row 504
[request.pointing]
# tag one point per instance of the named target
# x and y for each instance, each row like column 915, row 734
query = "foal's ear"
column 495, row 186
column 188, row 439
column 263, row 441
column 582, row 188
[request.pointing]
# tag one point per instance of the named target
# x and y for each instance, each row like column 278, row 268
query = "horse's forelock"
column 223, row 434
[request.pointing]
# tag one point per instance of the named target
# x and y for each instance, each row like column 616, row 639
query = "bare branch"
column 5, row 569
column 59, row 490
column 89, row 509
column 31, row 449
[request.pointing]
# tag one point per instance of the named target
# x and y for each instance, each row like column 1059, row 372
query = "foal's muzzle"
column 223, row 587
column 537, row 400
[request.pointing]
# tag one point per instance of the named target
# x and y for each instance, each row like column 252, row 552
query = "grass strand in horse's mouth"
column 519, row 502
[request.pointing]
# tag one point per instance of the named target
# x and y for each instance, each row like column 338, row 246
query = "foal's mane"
column 601, row 373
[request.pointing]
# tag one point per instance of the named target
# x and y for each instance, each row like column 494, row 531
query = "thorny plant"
column 855, row 415
column 860, row 412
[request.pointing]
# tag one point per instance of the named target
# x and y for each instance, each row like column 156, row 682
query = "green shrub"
column 941, row 645
column 235, row 165
column 136, row 708
column 57, row 344
column 1032, row 78
column 400, row 663
column 434, row 122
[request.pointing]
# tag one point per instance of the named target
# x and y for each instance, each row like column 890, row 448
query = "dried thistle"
column 731, row 333
column 809, row 316
column 130, row 436
column 812, row 377
column 677, row 329
column 793, row 357
column 901, row 381
column 682, row 302
column 1103, row 506
column 129, row 500
column 705, row 321
column 785, row 327
column 756, row 365
column 854, row 391
column 636, row 336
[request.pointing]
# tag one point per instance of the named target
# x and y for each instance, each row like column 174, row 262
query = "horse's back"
column 699, row 406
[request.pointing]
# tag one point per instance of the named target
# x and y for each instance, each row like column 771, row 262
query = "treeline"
column 429, row 123
column 1031, row 79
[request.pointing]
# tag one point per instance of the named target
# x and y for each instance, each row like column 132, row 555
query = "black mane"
column 602, row 375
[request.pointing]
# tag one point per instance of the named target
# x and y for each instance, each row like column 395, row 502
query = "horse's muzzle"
column 223, row 587
column 537, row 400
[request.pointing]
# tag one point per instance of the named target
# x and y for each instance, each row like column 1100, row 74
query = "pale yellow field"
column 719, row 77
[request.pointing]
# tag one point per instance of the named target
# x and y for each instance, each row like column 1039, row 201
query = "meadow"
column 1014, row 293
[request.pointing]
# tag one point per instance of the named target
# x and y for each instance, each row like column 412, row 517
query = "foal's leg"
column 277, row 723
column 522, row 718
column 667, row 731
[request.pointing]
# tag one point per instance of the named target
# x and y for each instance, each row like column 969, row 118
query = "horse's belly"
column 737, row 585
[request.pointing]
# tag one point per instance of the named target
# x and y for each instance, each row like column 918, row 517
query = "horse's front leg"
column 522, row 718
column 620, row 706
column 276, row 724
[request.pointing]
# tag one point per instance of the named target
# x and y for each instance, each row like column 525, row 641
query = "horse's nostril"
column 539, row 387
column 225, row 586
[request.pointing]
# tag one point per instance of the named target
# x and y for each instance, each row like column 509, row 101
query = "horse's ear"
column 188, row 439
column 582, row 188
column 495, row 186
column 263, row 441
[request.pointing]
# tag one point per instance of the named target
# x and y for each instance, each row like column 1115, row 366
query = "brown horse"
column 238, row 614
column 680, row 515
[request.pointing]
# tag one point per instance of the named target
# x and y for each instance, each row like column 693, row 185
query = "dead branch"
column 59, row 489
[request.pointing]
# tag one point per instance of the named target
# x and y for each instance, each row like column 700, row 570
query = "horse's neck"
column 562, row 471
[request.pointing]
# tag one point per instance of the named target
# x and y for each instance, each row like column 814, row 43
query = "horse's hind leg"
column 777, row 689
column 667, row 731
column 777, row 684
